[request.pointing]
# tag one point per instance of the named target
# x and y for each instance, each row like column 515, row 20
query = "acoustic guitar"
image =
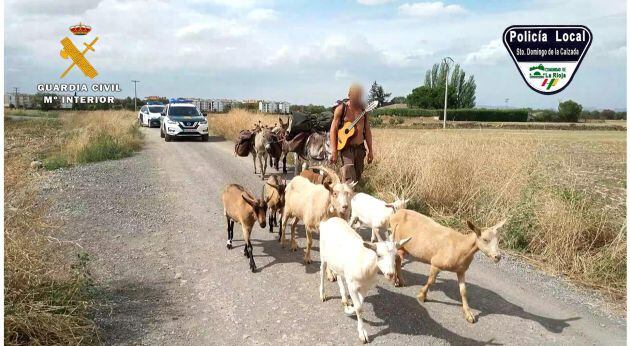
column 347, row 131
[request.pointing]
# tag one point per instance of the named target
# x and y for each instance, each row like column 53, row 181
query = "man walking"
column 353, row 154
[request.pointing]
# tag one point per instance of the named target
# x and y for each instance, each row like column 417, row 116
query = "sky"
column 305, row 51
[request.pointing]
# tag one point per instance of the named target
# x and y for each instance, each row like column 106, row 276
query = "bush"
column 474, row 114
column 569, row 111
column 464, row 114
column 396, row 120
column 407, row 112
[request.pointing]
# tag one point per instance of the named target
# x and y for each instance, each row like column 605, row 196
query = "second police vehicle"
column 149, row 115
column 182, row 119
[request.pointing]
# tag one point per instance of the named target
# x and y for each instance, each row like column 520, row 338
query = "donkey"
column 277, row 137
column 310, row 147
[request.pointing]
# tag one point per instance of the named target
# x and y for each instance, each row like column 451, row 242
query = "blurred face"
column 356, row 95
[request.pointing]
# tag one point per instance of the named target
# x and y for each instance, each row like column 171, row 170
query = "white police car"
column 149, row 115
column 182, row 119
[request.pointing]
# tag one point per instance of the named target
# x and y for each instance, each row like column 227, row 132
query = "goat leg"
column 399, row 281
column 358, row 310
column 229, row 235
column 252, row 264
column 461, row 279
column 309, row 243
column 322, row 291
column 422, row 295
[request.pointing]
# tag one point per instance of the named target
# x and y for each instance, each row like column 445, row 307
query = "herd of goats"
column 329, row 206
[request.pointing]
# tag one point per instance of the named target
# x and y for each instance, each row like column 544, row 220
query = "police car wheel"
column 161, row 133
column 167, row 137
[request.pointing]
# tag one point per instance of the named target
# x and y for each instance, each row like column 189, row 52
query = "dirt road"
column 154, row 227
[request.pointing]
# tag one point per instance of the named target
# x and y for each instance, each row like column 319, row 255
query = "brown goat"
column 443, row 248
column 242, row 206
column 315, row 178
column 274, row 193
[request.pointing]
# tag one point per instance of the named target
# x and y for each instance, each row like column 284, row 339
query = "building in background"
column 19, row 100
column 275, row 107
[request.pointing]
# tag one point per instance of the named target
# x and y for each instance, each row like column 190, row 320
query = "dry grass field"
column 47, row 285
column 563, row 192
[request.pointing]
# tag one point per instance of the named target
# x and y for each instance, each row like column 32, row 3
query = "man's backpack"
column 244, row 143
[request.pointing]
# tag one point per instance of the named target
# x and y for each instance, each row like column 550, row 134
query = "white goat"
column 356, row 264
column 373, row 212
column 313, row 203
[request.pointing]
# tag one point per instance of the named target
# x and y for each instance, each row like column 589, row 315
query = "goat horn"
column 330, row 172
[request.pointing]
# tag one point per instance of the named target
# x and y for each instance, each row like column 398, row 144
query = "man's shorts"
column 352, row 162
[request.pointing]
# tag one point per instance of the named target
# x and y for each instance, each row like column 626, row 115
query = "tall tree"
column 378, row 94
column 461, row 90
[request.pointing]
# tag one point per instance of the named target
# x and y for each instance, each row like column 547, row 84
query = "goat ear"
column 499, row 225
column 248, row 199
column 369, row 245
column 473, row 228
column 402, row 242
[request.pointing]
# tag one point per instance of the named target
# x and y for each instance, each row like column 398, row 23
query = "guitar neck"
column 357, row 119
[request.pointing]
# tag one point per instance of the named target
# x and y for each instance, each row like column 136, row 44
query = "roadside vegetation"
column 48, row 289
column 563, row 191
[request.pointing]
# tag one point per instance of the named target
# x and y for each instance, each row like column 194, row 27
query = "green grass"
column 32, row 113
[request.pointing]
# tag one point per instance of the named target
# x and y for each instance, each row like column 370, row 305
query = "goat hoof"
column 229, row 246
column 322, row 297
column 422, row 298
column 469, row 317
column 363, row 336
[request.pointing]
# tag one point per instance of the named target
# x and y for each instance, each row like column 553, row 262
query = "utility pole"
column 447, row 61
column 16, row 96
column 135, row 95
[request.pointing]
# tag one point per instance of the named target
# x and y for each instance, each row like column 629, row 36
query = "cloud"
column 488, row 54
column 214, row 29
column 373, row 2
column 341, row 74
column 429, row 9
column 53, row 7
column 231, row 3
column 261, row 14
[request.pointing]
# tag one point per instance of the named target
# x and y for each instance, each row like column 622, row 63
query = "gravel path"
column 154, row 228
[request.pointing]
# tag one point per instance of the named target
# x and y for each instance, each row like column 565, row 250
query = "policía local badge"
column 547, row 56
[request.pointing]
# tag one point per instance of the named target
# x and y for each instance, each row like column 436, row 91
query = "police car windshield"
column 156, row 109
column 182, row 111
